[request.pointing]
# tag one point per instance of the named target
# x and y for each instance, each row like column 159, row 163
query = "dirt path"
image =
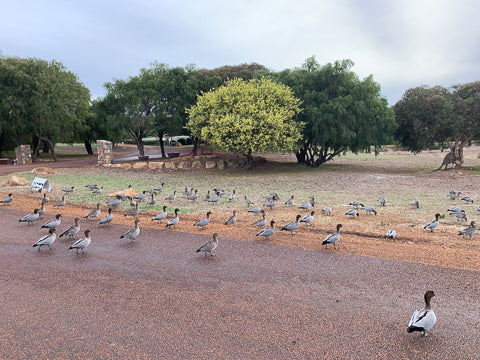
column 157, row 298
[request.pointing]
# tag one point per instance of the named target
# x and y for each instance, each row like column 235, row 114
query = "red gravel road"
column 158, row 299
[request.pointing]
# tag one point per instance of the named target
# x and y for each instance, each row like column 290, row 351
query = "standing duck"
column 98, row 191
column 173, row 221
column 140, row 197
column 52, row 223
column 307, row 206
column 209, row 246
column 72, row 230
column 248, row 201
column 151, row 201
column 172, row 196
column 194, row 196
column 460, row 215
column 161, row 215
column 6, row 200
column 391, row 234
column 232, row 196
column 214, row 200
column 289, row 201
column 416, row 204
column 327, row 210
column 423, row 319
column 46, row 239
column 469, row 230
column 159, row 187
column 332, row 238
column 262, row 222
column 268, row 231
column 271, row 203
column 232, row 219
column 108, row 218
column 30, row 218
column 94, row 213
column 382, row 201
column 60, row 203
column 352, row 213
column 45, row 199
column 467, row 199
column 132, row 212
column 69, row 190
column 117, row 200
column 291, row 225
column 82, row 243
column 132, row 233
column 432, row 224
column 255, row 210
column 308, row 219
column 41, row 211
column 204, row 222
column 369, row 210
column 356, row 203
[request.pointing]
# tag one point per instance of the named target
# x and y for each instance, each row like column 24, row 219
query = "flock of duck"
column 422, row 320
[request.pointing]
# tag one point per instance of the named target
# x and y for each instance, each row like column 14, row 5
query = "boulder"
column 156, row 165
column 196, row 165
column 44, row 171
column 221, row 164
column 126, row 166
column 210, row 165
column 16, row 181
column 170, row 165
column 184, row 165
column 140, row 165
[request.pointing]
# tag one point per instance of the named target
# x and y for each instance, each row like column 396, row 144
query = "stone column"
column 23, row 155
column 104, row 151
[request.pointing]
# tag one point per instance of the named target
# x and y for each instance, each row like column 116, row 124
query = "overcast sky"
column 403, row 43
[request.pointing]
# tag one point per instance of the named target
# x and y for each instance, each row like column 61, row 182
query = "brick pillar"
column 104, row 151
column 23, row 155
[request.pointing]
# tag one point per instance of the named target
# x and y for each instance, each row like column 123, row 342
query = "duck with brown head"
column 423, row 319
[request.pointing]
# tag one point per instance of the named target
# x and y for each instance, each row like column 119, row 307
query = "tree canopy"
column 247, row 116
column 341, row 112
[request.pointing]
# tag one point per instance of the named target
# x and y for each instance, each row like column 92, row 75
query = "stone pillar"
column 104, row 152
column 23, row 155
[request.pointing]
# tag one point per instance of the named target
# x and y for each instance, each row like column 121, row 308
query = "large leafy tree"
column 433, row 116
column 245, row 117
column 341, row 112
column 41, row 100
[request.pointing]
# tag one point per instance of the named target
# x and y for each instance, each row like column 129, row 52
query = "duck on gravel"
column 140, row 197
column 161, row 215
column 291, row 225
column 30, row 218
column 454, row 195
column 204, row 222
column 255, row 210
column 98, row 191
column 369, row 210
column 262, row 222
column 214, row 200
column 159, row 187
column 94, row 213
column 470, row 230
column 460, row 215
column 151, row 201
column 82, row 243
column 416, row 204
column 6, row 200
column 91, row 186
column 467, row 199
column 327, row 210
column 108, row 218
column 423, row 319
column 172, row 196
column 72, row 230
column 289, row 201
column 356, row 203
column 45, row 199
column 173, row 221
column 433, row 224
column 46, row 240
column 454, row 209
column 232, row 196
column 248, row 201
column 232, row 219
column 52, row 223
column 60, row 203
column 116, row 201
column 307, row 206
column 209, row 246
column 308, row 219
column 352, row 213
column 132, row 212
column 391, row 234
column 332, row 238
column 132, row 233
column 41, row 211
column 194, row 196
column 382, row 201
column 270, row 204
column 268, row 231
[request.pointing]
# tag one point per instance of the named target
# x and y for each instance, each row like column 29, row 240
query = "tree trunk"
column 162, row 145
column 140, row 147
column 196, row 140
column 45, row 148
column 52, row 149
column 250, row 164
column 88, row 147
column 36, row 145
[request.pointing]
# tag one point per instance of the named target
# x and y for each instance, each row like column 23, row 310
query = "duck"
column 467, row 199
column 416, row 204
column 151, row 201
column 248, row 201
column 132, row 233
column 214, row 200
column 255, row 210
column 69, row 190
column 173, row 221
column 332, row 238
column 327, row 210
column 307, row 206
column 127, row 187
column 352, row 213
column 219, row 191
column 46, row 239
column 207, row 195
column 454, row 209
column 82, row 243
column 72, row 230
column 268, row 231
column 91, row 186
column 159, row 187
column 97, row 191
column 356, row 203
column 45, row 199
column 433, row 224
column 108, row 218
column 460, row 215
column 132, row 212
column 271, row 196
column 382, row 201
column 140, row 197
column 60, row 203
column 369, row 210
column 30, row 218
column 161, row 215
column 52, row 223
column 209, row 246
column 454, row 195
column 41, row 211
column 232, row 219
column 94, row 213
column 132, row 202
column 291, row 225
column 289, row 201
column 172, row 196
column 469, row 230
column 423, row 319
column 391, row 234
column 6, row 200
column 232, row 196
column 194, row 196
column 308, row 219
column 271, row 203
column 204, row 222
column 262, row 222
column 116, row 201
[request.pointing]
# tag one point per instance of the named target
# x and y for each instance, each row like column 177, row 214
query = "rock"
column 126, row 166
column 170, row 165
column 210, row 165
column 184, row 165
column 196, row 165
column 16, row 181
column 221, row 164
column 156, row 165
column 44, row 171
column 140, row 165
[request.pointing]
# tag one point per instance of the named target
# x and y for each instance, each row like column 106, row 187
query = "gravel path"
column 157, row 298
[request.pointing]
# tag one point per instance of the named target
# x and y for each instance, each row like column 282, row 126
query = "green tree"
column 437, row 116
column 245, row 117
column 341, row 112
